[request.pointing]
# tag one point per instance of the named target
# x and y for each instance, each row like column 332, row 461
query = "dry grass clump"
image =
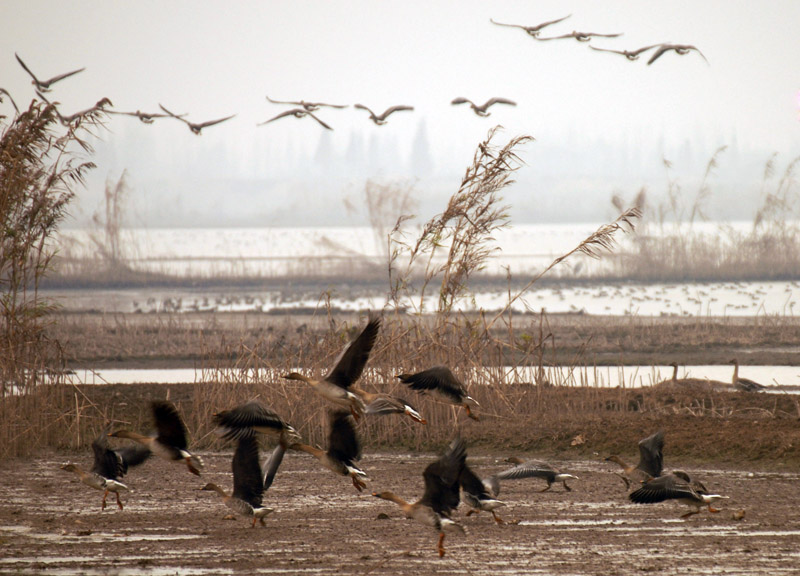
column 39, row 170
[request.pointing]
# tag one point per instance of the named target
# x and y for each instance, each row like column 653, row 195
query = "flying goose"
column 44, row 85
column 146, row 117
column 297, row 113
column 680, row 49
column 196, row 127
column 582, row 36
column 14, row 104
column 532, row 30
column 676, row 486
column 535, row 469
column 248, row 418
column 442, row 380
column 629, row 54
column 482, row 110
column 480, row 495
column 308, row 106
column 381, row 119
column 651, row 461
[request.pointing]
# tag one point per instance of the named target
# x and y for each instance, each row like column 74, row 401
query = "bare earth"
column 52, row 524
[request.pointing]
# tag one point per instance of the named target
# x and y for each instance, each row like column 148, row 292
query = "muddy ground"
column 52, row 524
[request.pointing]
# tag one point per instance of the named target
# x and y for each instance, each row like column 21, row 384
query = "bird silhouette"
column 196, row 127
column 532, row 30
column 14, row 104
column 629, row 54
column 308, row 106
column 74, row 119
column 381, row 119
column 681, row 49
column 297, row 113
column 44, row 85
column 581, row 36
column 146, row 117
column 482, row 110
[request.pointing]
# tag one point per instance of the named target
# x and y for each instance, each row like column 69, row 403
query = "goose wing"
column 272, row 465
column 492, row 101
column 343, row 444
column 350, row 363
column 461, row 99
column 472, row 484
column 169, row 425
column 24, row 67
column 669, row 487
column 318, row 120
column 394, row 109
column 531, row 469
column 107, row 463
column 208, row 123
column 651, row 458
column 441, row 479
column 248, row 483
column 246, row 419
column 55, row 79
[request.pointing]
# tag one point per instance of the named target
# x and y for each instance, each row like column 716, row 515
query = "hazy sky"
column 215, row 59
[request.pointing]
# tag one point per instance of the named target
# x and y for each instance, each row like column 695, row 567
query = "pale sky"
column 215, row 59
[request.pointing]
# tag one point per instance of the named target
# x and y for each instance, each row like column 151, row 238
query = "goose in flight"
column 193, row 126
column 442, row 380
column 307, row 106
column 171, row 439
column 381, row 119
column 335, row 386
column 651, row 461
column 44, row 85
column 629, row 54
column 480, row 495
column 248, row 418
column 582, row 36
column 109, row 466
column 297, row 113
column 680, row 49
column 676, row 486
column 535, row 469
column 74, row 119
column 146, row 117
column 482, row 110
column 441, row 494
column 532, row 30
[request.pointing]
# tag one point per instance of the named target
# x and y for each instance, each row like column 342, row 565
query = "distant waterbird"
column 44, row 85
column 380, row 119
column 297, row 113
column 308, row 106
column 681, row 49
column 582, row 36
column 629, row 54
column 14, row 104
column 532, row 30
column 482, row 110
column 146, row 117
column 743, row 384
column 196, row 127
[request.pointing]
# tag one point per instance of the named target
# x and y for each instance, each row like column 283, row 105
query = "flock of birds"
column 302, row 108
column 447, row 481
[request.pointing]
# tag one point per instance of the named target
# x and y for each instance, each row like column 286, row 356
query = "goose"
column 480, row 494
column 170, row 441
column 651, row 460
column 629, row 54
column 343, row 451
column 109, row 466
column 335, row 386
column 297, row 113
column 381, row 119
column 196, row 127
column 145, row 117
column 308, row 106
column 535, row 469
column 676, row 486
column 442, row 380
column 248, row 484
column 482, row 110
column 532, row 30
column 582, row 36
column 743, row 384
column 680, row 49
column 248, row 418
column 44, row 85
column 74, row 119
column 441, row 494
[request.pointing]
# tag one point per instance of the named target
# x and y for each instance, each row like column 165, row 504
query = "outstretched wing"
column 351, row 361
column 438, row 378
column 651, row 458
column 343, row 444
column 169, row 424
column 246, row 419
column 441, row 479
column 248, row 484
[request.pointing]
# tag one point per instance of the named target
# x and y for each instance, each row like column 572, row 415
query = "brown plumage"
column 676, row 486
column 44, row 85
column 380, row 119
column 297, row 113
column 442, row 380
column 535, row 469
column 743, row 384
column 532, row 30
column 651, row 461
column 482, row 110
column 441, row 494
column 194, row 126
column 680, row 49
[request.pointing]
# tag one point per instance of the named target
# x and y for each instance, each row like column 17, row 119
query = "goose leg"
column 441, row 544
column 358, row 484
column 567, row 488
column 105, row 495
column 470, row 414
column 119, row 502
column 472, row 511
column 690, row 513
column 191, row 467
column 497, row 518
column 549, row 485
column 712, row 509
column 254, row 522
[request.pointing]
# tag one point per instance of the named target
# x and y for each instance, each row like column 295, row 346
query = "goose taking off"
column 676, row 486
column 442, row 380
column 480, row 495
column 743, row 384
column 482, row 110
column 171, row 439
column 381, row 119
column 297, row 113
column 248, row 484
column 335, row 386
column 380, row 404
column 308, row 106
column 651, row 461
column 535, row 469
column 629, row 54
column 44, row 85
column 249, row 418
column 441, row 494
column 194, row 126
column 343, row 451
column 109, row 466
column 681, row 49
column 532, row 30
